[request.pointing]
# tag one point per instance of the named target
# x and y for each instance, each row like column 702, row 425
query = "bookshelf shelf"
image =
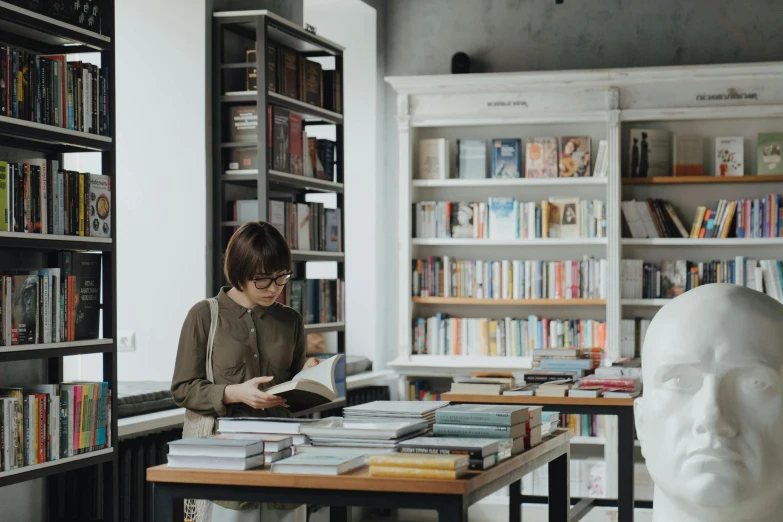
column 55, row 242
column 39, row 351
column 308, row 111
column 645, row 302
column 324, row 327
column 720, row 180
column 506, row 302
column 56, row 139
column 311, row 184
column 46, row 469
column 46, row 31
column 502, row 182
column 313, row 255
column 731, row 241
column 508, row 242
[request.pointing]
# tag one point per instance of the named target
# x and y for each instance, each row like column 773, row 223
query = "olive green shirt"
column 261, row 341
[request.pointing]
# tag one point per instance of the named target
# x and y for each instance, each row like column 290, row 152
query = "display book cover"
column 311, row 387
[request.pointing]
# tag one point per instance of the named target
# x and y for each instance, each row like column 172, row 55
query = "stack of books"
column 339, row 432
column 522, row 424
column 579, row 360
column 319, row 464
column 276, row 447
column 618, row 388
column 399, row 411
column 419, row 466
column 482, row 385
column 554, row 388
column 482, row 453
column 266, row 426
column 216, row 453
column 549, row 423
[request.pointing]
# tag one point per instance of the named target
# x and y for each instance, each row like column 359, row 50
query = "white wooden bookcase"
column 711, row 101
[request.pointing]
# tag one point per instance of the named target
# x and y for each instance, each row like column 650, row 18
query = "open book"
column 309, row 388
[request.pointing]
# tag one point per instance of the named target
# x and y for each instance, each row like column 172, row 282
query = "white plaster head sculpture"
column 711, row 418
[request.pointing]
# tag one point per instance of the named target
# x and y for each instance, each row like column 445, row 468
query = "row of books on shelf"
column 532, row 279
column 632, row 333
column 509, row 218
column 548, row 157
column 584, row 425
column 289, row 149
column 306, row 226
column 506, row 337
column 291, row 74
column 742, row 218
column 48, row 422
column 317, row 300
column 84, row 13
column 668, row 279
column 37, row 196
column 651, row 154
column 52, row 305
column 51, row 90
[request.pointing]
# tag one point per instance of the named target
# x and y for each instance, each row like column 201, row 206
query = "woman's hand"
column 248, row 393
column 312, row 361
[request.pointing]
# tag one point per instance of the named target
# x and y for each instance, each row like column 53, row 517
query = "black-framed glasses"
column 262, row 283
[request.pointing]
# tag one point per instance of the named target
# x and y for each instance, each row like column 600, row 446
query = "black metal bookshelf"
column 38, row 33
column 229, row 32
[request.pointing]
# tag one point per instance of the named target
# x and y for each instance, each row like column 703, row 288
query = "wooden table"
column 621, row 408
column 450, row 498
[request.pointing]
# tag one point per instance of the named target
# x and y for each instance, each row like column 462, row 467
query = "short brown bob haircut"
column 256, row 248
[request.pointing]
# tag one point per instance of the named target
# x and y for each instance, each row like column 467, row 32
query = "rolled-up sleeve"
column 190, row 387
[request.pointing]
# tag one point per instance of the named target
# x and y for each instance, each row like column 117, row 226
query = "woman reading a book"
column 257, row 341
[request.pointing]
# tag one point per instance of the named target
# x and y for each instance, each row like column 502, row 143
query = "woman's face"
column 266, row 296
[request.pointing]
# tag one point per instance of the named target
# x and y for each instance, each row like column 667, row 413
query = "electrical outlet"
column 127, row 341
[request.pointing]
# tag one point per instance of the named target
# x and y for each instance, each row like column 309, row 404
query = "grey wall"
column 526, row 35
column 291, row 9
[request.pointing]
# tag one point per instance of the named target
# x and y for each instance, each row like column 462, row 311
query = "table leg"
column 515, row 502
column 166, row 507
column 625, row 458
column 338, row 514
column 559, row 489
column 453, row 512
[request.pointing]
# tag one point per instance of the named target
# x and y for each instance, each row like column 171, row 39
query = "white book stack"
column 216, row 453
column 339, row 432
column 384, row 411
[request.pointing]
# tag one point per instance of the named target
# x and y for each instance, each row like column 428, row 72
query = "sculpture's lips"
column 714, row 454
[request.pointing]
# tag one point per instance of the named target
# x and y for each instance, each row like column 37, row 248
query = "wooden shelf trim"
column 507, row 302
column 679, row 180
column 534, row 400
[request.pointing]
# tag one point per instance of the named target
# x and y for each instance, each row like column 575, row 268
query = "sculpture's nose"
column 709, row 417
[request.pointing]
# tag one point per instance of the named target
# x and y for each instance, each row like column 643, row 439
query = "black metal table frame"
column 168, row 496
column 625, row 501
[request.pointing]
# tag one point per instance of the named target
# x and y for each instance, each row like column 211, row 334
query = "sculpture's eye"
column 755, row 383
column 680, row 379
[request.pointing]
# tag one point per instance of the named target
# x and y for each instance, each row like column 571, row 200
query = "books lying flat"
column 409, row 460
column 489, row 461
column 337, row 427
column 318, row 464
column 473, row 447
column 271, row 457
column 383, row 471
column 215, row 447
column 492, row 432
column 395, row 408
column 360, row 442
column 309, row 388
column 272, row 443
column 224, row 463
column 271, row 425
column 342, row 450
column 482, row 414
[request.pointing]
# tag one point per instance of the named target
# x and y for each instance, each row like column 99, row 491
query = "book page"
column 323, row 373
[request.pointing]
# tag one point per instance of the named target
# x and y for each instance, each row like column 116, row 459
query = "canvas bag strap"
column 213, row 308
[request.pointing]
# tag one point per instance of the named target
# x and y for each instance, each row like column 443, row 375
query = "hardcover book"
column 471, row 159
column 503, row 218
column 433, row 159
column 100, row 205
column 281, row 158
column 729, row 156
column 769, row 153
column 244, row 123
column 650, row 153
column 296, row 149
column 541, row 158
column 564, row 217
column 462, row 220
column 506, row 158
column 575, row 157
column 688, row 156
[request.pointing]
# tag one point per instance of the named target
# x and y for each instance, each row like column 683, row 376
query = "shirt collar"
column 235, row 307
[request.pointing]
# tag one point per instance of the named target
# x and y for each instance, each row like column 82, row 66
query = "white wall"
column 161, row 182
column 353, row 24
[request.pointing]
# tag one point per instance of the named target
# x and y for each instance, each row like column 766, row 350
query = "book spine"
column 487, row 418
column 454, row 430
column 472, row 454
column 387, row 471
column 423, row 462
